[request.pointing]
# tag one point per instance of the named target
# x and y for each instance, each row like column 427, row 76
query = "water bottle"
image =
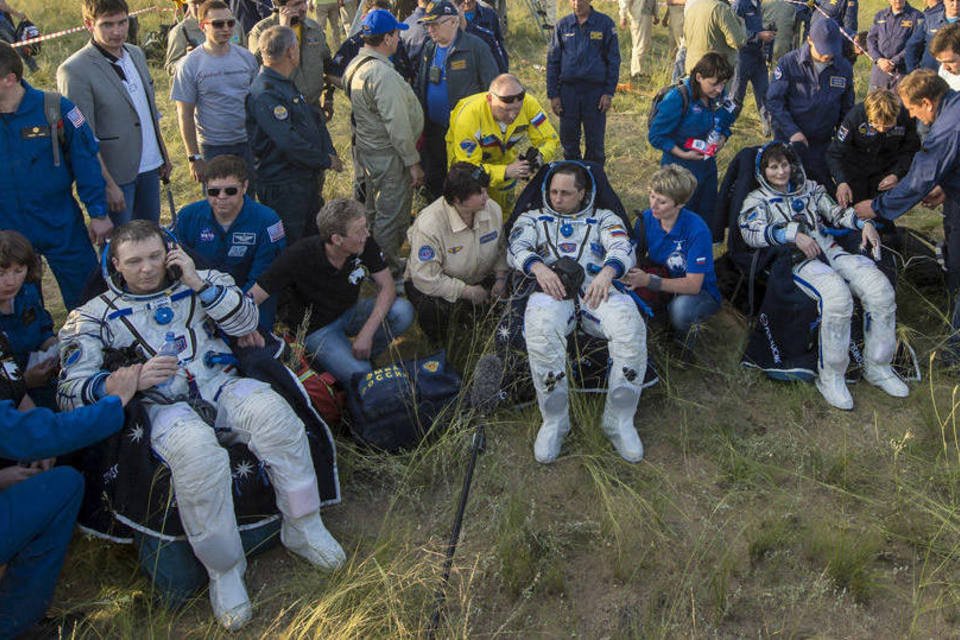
column 714, row 138
column 169, row 348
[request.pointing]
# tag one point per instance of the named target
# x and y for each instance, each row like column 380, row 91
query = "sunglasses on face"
column 517, row 97
column 215, row 192
column 223, row 24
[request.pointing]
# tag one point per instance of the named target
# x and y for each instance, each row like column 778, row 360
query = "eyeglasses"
column 214, row 192
column 517, row 97
column 223, row 24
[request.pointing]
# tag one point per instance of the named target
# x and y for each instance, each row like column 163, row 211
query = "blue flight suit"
column 28, row 327
column 672, row 127
column 496, row 48
column 799, row 101
column 244, row 250
column 861, row 156
column 937, row 163
column 38, row 196
column 583, row 63
column 888, row 38
column 751, row 62
column 917, row 55
column 37, row 515
column 292, row 147
column 488, row 19
column 843, row 12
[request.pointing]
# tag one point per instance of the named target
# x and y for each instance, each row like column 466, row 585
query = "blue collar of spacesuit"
column 545, row 189
column 32, row 99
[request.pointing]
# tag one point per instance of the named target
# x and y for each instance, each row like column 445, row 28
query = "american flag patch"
column 538, row 119
column 76, row 117
column 275, row 231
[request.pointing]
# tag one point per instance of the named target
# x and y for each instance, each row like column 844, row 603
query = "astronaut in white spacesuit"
column 148, row 299
column 571, row 230
column 788, row 209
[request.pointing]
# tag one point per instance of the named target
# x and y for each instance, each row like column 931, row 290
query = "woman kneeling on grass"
column 678, row 243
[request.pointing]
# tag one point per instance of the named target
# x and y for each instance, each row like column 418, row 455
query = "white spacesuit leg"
column 202, row 483
column 618, row 320
column 879, row 320
column 274, row 433
column 546, row 324
column 835, row 304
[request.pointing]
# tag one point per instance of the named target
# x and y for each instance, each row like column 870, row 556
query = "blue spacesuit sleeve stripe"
column 530, row 262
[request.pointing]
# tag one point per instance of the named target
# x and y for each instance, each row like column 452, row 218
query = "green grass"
column 758, row 511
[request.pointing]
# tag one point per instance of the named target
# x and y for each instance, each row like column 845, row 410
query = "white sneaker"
column 834, row 390
column 884, row 377
column 229, row 600
column 309, row 539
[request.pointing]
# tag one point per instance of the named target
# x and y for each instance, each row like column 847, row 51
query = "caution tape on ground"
column 60, row 34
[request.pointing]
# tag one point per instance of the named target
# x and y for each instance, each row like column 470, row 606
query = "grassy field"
column 757, row 513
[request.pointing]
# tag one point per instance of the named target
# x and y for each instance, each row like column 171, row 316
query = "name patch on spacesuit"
column 488, row 237
column 838, row 81
column 30, row 133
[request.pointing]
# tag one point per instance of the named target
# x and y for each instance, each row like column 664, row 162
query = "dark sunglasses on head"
column 213, row 192
column 220, row 24
column 517, row 97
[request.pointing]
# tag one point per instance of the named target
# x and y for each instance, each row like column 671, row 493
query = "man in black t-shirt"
column 323, row 274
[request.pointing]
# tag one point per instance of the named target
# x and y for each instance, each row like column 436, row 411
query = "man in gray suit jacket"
column 110, row 83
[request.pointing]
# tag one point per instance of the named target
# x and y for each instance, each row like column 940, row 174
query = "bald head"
column 506, row 84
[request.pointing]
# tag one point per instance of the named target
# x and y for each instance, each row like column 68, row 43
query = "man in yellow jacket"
column 492, row 129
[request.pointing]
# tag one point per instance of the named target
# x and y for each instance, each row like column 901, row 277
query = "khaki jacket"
column 446, row 255
column 308, row 77
column 386, row 113
column 711, row 25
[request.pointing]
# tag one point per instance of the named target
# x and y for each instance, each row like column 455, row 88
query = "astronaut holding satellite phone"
column 161, row 305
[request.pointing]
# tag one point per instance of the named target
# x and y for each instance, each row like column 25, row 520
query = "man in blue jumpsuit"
column 37, row 513
column 934, row 177
column 917, row 54
column 230, row 232
column 751, row 61
column 290, row 142
column 483, row 17
column 38, row 175
column 887, row 42
column 583, row 67
column 811, row 91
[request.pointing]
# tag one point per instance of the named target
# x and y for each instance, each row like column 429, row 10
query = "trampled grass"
column 758, row 511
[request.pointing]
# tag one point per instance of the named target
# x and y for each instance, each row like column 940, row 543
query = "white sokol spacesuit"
column 247, row 410
column 595, row 238
column 772, row 217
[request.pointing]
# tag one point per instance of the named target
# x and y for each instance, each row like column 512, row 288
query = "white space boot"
column 833, row 387
column 308, row 538
column 554, row 408
column 884, row 377
column 228, row 597
column 617, row 422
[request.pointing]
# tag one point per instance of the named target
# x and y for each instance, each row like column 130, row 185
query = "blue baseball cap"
column 825, row 36
column 380, row 21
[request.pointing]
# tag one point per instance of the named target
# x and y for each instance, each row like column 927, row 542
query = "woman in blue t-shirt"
column 23, row 318
column 692, row 123
column 680, row 244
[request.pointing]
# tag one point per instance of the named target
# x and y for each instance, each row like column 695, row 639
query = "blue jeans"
column 686, row 311
column 142, row 197
column 331, row 347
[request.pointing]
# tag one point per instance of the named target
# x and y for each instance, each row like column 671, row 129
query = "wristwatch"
column 193, row 157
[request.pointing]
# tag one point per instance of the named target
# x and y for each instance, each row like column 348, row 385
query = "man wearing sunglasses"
column 493, row 128
column 230, row 232
column 210, row 87
column 185, row 36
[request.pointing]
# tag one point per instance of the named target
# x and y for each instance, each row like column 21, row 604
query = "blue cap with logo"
column 380, row 21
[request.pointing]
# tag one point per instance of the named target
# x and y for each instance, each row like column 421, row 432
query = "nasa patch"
column 426, row 253
column 207, row 235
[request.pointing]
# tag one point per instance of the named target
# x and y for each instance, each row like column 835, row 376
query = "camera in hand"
column 534, row 158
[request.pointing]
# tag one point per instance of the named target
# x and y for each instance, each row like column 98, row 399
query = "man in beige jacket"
column 711, row 25
column 386, row 121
